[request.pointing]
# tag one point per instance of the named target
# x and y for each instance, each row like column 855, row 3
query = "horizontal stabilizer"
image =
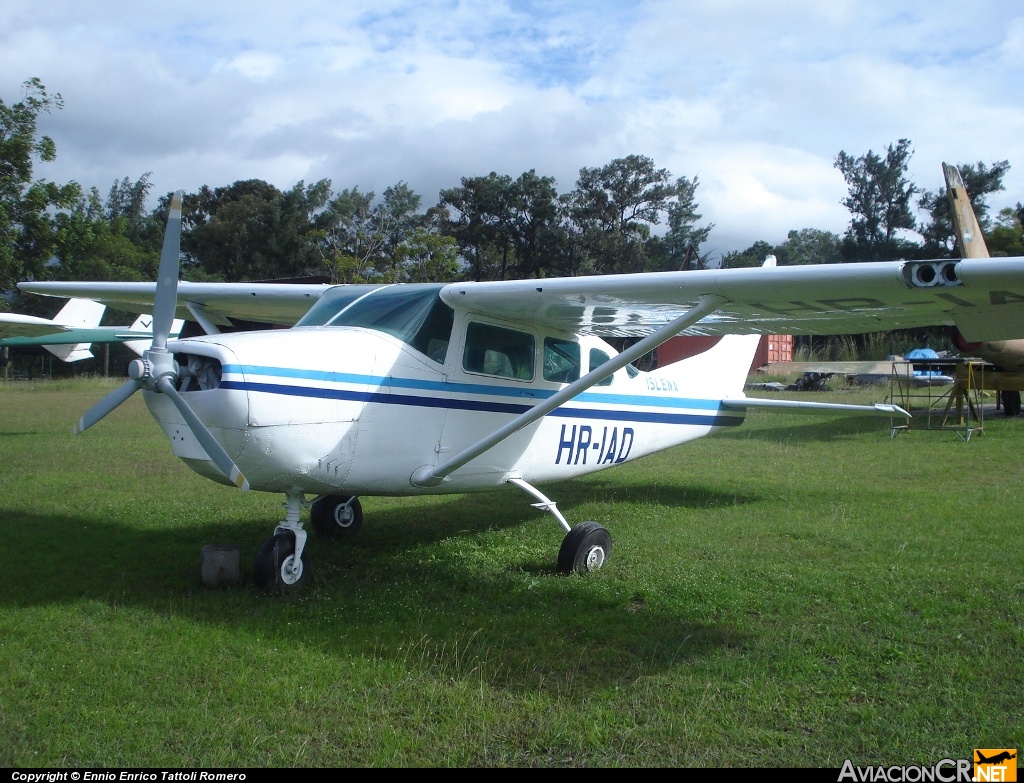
column 70, row 353
column 801, row 406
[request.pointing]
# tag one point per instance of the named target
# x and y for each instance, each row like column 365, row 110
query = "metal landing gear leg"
column 584, row 548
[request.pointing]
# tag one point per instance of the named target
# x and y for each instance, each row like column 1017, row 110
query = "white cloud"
column 755, row 98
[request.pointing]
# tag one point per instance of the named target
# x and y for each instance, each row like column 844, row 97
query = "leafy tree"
column 752, row 256
column 806, row 246
column 476, row 214
column 426, row 257
column 611, row 212
column 91, row 247
column 398, row 221
column 681, row 243
column 346, row 237
column 879, row 199
column 533, row 224
column 251, row 230
column 504, row 227
column 389, row 241
column 980, row 181
column 1006, row 238
column 809, row 246
column 126, row 203
column 27, row 230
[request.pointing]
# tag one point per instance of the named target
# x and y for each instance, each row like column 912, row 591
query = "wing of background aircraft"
column 984, row 298
column 207, row 303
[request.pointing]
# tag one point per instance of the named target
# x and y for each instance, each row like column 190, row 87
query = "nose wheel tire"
column 584, row 549
column 334, row 515
column 277, row 570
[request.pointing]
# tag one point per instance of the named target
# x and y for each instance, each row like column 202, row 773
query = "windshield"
column 333, row 302
column 414, row 313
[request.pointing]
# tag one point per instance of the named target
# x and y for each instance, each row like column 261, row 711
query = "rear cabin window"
column 493, row 350
column 597, row 358
column 561, row 360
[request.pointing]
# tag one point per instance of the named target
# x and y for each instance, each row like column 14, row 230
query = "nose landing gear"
column 281, row 563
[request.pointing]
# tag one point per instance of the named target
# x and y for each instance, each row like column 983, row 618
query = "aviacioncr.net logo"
column 945, row 771
column 995, row 765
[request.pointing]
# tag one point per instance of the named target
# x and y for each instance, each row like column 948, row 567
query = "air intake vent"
column 926, row 274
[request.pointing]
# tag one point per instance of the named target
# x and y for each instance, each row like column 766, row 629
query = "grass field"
column 796, row 592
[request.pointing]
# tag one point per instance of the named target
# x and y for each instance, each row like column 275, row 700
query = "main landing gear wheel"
column 1011, row 402
column 335, row 515
column 277, row 569
column 584, row 549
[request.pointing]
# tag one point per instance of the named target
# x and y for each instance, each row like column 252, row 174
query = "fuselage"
column 352, row 405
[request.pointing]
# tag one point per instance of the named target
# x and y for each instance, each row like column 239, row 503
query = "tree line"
column 625, row 216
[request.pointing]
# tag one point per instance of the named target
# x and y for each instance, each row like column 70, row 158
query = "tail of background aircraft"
column 965, row 222
column 144, row 323
column 82, row 314
column 971, row 242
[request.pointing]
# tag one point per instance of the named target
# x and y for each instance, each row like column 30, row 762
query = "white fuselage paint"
column 351, row 411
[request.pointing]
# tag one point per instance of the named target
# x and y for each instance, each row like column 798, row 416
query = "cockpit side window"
column 435, row 332
column 493, row 350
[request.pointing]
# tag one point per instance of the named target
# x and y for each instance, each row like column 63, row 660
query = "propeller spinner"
column 157, row 371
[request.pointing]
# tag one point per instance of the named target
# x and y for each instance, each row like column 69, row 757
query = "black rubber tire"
column 585, row 549
column 325, row 513
column 270, row 560
column 1011, row 402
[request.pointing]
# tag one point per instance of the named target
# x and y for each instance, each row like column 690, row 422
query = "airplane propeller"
column 157, row 371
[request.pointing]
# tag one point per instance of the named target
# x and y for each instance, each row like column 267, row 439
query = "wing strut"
column 432, row 476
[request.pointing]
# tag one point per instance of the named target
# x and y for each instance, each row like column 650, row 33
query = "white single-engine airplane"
column 462, row 387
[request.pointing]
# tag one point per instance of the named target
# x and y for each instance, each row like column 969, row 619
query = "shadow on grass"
column 417, row 583
column 613, row 488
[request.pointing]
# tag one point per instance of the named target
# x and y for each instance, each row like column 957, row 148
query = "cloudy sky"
column 755, row 98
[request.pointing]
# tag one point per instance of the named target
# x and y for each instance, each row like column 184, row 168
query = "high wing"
column 984, row 298
column 274, row 303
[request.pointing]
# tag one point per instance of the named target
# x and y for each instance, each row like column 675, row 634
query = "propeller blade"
column 166, row 299
column 106, row 405
column 213, row 449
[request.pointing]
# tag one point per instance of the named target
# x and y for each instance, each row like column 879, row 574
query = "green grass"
column 798, row 591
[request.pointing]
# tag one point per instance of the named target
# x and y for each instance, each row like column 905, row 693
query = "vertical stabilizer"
column 968, row 232
column 81, row 314
column 144, row 323
column 721, row 371
column 971, row 243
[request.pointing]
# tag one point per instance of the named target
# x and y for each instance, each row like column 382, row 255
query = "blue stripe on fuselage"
column 730, row 418
column 491, row 390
